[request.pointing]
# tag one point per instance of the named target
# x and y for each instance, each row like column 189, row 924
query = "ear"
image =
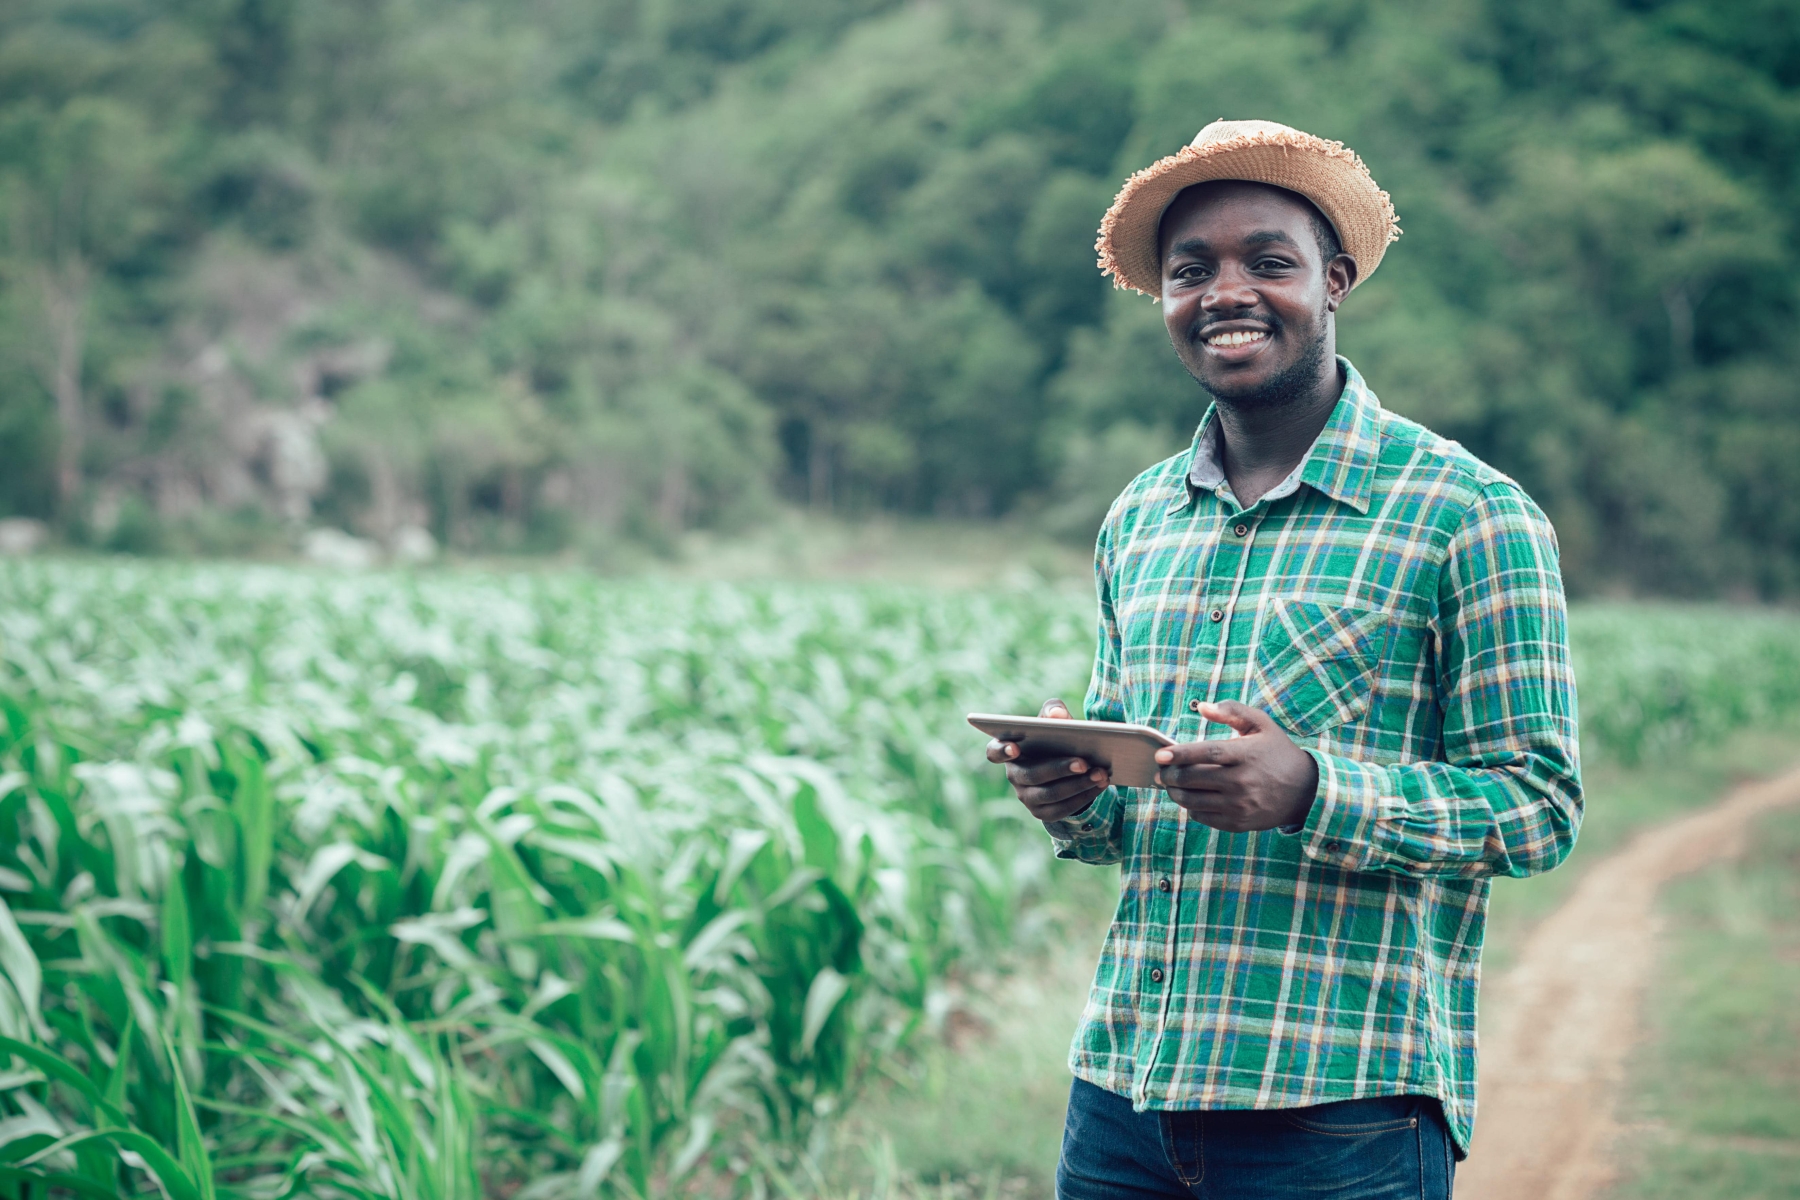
column 1340, row 277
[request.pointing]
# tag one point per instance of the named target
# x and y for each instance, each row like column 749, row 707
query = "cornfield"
column 436, row 887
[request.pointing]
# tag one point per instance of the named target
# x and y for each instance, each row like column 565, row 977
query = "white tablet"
column 1128, row 751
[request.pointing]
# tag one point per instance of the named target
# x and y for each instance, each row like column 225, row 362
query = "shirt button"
column 1155, row 974
column 1334, row 847
column 1162, row 885
column 1217, row 615
column 1194, row 704
column 1240, row 529
column 1087, row 827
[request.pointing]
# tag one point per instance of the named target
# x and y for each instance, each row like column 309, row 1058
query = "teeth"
column 1235, row 339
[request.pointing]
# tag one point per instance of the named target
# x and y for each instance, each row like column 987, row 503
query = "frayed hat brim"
column 1327, row 173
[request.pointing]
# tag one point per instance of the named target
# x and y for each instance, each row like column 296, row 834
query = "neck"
column 1262, row 444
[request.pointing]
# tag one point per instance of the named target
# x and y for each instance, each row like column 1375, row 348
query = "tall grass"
column 449, row 886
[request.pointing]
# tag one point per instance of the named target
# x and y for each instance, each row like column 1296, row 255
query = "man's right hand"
column 1056, row 787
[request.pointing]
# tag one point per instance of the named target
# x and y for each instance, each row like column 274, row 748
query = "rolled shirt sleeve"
column 1094, row 835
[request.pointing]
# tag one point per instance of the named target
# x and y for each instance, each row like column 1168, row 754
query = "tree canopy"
column 534, row 272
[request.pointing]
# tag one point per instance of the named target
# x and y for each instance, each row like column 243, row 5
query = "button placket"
column 1222, row 546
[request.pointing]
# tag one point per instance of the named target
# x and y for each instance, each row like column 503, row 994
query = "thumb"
column 1241, row 717
column 1054, row 708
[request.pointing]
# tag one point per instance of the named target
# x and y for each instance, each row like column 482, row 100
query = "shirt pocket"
column 1315, row 663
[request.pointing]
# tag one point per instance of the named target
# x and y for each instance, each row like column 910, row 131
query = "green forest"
column 546, row 275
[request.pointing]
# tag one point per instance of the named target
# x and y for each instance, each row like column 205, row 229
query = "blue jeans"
column 1383, row 1148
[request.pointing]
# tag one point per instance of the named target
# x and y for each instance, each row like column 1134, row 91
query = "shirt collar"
column 1341, row 463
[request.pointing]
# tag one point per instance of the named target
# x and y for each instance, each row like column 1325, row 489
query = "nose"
column 1230, row 290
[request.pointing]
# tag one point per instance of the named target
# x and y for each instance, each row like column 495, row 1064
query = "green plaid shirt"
column 1396, row 606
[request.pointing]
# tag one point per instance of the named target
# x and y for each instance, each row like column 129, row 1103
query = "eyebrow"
column 1262, row 237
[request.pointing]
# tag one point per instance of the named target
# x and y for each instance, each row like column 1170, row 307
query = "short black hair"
column 1330, row 246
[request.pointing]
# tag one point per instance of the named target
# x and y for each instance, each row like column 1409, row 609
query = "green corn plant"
column 365, row 1108
column 447, row 885
column 70, row 1122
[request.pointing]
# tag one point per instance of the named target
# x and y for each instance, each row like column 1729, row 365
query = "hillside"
column 548, row 274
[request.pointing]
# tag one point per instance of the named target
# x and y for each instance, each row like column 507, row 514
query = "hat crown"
column 1327, row 173
column 1223, row 130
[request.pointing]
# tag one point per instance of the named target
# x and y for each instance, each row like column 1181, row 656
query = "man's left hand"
column 1256, row 780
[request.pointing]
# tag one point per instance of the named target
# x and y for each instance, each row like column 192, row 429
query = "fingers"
column 1057, row 810
column 1057, row 795
column 1057, row 787
column 1230, row 814
column 1050, row 770
column 1197, row 779
column 1221, row 753
column 1220, row 808
column 1006, row 752
column 1241, row 717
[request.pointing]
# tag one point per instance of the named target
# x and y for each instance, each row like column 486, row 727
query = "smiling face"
column 1248, row 294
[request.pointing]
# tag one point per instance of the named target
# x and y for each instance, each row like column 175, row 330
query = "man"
column 1356, row 632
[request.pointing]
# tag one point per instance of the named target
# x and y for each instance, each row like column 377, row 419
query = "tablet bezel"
column 1127, row 751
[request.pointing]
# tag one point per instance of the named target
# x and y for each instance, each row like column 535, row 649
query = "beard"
column 1299, row 380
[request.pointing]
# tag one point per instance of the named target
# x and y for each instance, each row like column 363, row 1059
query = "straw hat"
column 1327, row 173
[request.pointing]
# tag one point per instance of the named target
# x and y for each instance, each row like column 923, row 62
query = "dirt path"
column 1558, row 1027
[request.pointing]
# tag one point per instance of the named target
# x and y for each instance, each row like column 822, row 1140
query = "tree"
column 640, row 261
column 78, row 184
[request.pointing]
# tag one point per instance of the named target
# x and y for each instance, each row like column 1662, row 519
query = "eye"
column 1191, row 271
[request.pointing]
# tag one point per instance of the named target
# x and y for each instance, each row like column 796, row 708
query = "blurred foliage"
column 549, row 271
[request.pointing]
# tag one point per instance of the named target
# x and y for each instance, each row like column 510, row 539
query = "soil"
column 1557, row 1029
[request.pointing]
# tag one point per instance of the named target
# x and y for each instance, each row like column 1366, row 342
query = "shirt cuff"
column 1089, row 830
column 1340, row 828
